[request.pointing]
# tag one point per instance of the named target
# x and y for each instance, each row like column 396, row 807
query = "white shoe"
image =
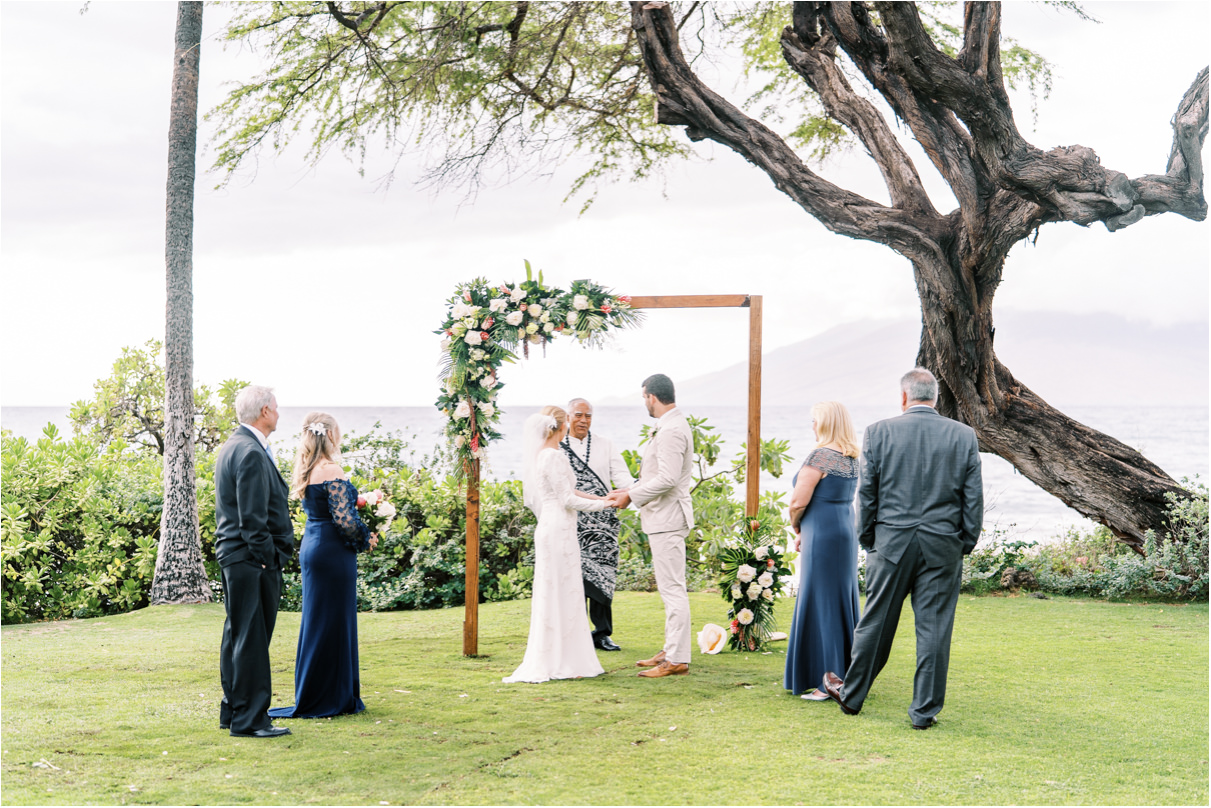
column 815, row 695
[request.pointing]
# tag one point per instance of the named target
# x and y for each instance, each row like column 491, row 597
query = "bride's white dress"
column 560, row 644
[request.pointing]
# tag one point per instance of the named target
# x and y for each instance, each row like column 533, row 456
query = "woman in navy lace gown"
column 822, row 514
column 326, row 679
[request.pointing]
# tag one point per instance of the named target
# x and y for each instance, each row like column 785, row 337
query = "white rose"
column 459, row 440
column 736, row 591
column 477, row 354
column 754, row 591
column 745, row 573
column 488, row 381
column 498, row 304
column 761, row 553
column 580, row 302
column 385, row 510
column 458, row 329
column 535, row 310
column 473, row 338
column 521, row 333
column 573, row 317
column 486, row 408
column 515, row 317
column 460, row 310
column 469, row 322
column 463, row 410
column 767, row 594
column 711, row 638
column 517, row 295
column 766, row 580
column 548, row 327
column 745, row 616
column 478, row 454
column 532, row 328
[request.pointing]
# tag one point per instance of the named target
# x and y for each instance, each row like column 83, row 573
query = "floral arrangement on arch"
column 483, row 328
column 753, row 569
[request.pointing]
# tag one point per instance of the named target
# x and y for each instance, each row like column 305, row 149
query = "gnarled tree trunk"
column 180, row 574
column 958, row 110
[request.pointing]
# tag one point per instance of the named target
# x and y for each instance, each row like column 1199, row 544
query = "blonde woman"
column 822, row 515
column 326, row 680
column 560, row 645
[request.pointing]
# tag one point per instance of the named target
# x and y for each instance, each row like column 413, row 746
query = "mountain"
column 1065, row 358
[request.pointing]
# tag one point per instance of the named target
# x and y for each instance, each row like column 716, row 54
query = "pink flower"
column 467, row 296
column 521, row 306
column 485, row 336
column 488, row 323
column 624, row 299
column 475, row 442
column 606, row 308
column 769, row 562
column 361, row 501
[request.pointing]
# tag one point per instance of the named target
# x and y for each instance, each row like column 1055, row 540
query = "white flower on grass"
column 517, row 295
column 460, row 310
column 745, row 616
column 711, row 638
column 498, row 304
column 745, row 573
column 736, row 591
column 754, row 590
column 572, row 318
column 463, row 410
column 766, row 580
column 767, row 594
column 473, row 338
column 486, row 408
column 580, row 302
column 385, row 510
column 532, row 328
column 761, row 553
column 515, row 317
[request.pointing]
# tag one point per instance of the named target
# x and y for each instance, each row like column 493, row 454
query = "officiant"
column 599, row 467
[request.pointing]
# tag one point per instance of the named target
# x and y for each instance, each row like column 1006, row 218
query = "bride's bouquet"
column 753, row 569
column 375, row 510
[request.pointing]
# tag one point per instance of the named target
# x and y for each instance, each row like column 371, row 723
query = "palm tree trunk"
column 180, row 574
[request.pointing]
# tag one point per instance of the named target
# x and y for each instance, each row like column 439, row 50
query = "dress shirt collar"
column 920, row 408
column 256, row 433
column 673, row 413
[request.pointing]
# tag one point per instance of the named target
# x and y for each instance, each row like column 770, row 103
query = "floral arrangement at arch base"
column 753, row 569
column 484, row 327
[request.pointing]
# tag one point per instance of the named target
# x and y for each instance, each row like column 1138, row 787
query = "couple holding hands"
column 561, row 645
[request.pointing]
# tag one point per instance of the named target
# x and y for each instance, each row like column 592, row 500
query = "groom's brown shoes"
column 666, row 668
column 832, row 686
column 651, row 663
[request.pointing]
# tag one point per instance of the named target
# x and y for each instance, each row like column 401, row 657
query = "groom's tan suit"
column 667, row 515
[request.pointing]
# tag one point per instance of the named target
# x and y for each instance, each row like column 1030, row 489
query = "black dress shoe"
column 926, row 725
column 266, row 732
column 606, row 644
column 224, row 725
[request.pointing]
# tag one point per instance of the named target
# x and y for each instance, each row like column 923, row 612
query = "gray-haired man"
column 597, row 465
column 920, row 510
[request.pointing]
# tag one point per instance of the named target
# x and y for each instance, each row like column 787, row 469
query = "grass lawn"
column 1050, row 701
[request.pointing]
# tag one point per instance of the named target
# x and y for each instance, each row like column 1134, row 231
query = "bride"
column 560, row 644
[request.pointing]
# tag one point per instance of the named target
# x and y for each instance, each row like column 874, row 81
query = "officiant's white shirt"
column 605, row 461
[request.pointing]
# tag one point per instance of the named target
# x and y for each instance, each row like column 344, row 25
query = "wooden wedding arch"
column 752, row 476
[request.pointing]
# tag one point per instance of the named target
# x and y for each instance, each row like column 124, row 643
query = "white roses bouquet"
column 375, row 510
column 753, row 570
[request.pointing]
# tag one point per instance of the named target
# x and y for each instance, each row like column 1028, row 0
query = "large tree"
column 511, row 85
column 180, row 574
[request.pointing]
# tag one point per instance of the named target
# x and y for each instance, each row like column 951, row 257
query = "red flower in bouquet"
column 606, row 308
column 485, row 336
column 488, row 323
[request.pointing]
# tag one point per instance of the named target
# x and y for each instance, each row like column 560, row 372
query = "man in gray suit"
column 920, row 510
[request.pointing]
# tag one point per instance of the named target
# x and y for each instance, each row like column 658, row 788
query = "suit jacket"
column 663, row 491
column 920, row 478
column 252, row 512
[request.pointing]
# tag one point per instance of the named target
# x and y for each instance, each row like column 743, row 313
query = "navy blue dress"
column 326, row 680
column 826, row 610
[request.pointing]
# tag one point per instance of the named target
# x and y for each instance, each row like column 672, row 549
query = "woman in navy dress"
column 326, row 680
column 822, row 514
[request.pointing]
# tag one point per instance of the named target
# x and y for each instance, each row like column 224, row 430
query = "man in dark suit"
column 254, row 538
column 920, row 510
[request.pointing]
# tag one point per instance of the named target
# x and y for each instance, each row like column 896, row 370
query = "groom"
column 667, row 515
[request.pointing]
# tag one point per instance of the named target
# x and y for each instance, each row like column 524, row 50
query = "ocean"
column 1175, row 438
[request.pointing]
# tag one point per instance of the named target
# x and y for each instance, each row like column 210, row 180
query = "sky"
column 316, row 281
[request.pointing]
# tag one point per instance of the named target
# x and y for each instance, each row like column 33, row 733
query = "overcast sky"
column 291, row 250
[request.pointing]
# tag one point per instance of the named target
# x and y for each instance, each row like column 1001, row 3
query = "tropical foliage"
column 753, row 568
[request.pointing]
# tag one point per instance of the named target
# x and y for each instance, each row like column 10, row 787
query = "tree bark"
column 180, row 575
column 958, row 110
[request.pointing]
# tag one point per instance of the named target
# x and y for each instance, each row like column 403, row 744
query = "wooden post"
column 471, row 614
column 752, row 472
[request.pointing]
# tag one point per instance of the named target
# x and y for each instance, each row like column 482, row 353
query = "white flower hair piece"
column 549, row 423
column 316, row 428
